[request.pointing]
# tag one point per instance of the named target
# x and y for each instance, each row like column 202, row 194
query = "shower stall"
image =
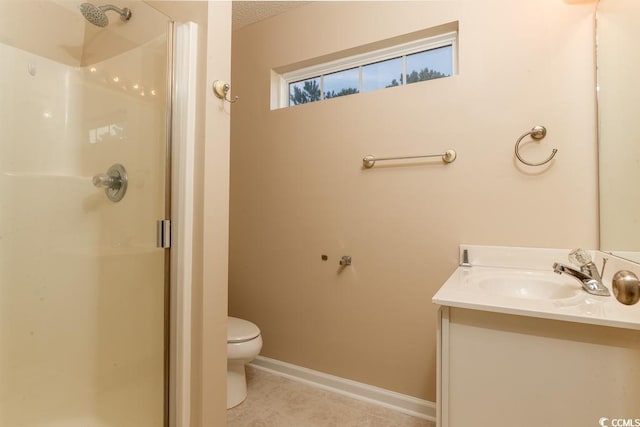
column 83, row 282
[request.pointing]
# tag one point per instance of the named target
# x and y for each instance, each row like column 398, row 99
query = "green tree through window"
column 418, row 76
column 310, row 92
column 345, row 91
column 424, row 74
column 395, row 82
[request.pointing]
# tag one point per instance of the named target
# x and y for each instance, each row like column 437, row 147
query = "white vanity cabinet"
column 508, row 370
column 520, row 346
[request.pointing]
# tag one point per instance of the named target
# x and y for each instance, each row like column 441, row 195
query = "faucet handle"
column 579, row 257
column 604, row 264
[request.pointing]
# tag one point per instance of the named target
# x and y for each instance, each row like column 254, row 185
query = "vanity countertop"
column 486, row 285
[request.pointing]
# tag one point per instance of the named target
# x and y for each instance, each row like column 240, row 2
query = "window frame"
column 366, row 58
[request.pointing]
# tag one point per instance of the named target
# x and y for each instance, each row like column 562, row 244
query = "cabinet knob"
column 626, row 287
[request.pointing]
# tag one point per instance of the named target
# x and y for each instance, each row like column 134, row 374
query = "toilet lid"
column 240, row 330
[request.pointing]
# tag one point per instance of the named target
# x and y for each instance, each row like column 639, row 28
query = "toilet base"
column 236, row 384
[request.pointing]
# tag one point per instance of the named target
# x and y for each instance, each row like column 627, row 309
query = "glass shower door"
column 82, row 283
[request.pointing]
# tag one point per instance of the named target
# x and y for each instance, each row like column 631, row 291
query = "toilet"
column 243, row 345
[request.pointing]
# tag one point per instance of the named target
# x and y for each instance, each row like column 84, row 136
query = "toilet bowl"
column 243, row 345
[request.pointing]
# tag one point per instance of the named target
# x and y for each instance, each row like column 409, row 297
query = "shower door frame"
column 181, row 132
column 168, row 282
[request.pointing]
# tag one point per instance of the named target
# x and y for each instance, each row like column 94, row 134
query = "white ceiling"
column 248, row 12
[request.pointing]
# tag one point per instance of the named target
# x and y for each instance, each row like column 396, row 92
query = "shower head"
column 97, row 16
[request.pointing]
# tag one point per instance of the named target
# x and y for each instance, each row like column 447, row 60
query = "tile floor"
column 275, row 401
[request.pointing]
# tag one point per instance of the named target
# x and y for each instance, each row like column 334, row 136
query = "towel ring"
column 537, row 133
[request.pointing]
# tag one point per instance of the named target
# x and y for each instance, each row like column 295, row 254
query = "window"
column 408, row 63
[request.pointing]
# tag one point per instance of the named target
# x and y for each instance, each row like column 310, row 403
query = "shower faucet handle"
column 114, row 182
column 105, row 181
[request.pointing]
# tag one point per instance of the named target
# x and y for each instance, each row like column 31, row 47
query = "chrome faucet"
column 588, row 275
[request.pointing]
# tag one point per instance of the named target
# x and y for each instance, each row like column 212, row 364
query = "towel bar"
column 369, row 161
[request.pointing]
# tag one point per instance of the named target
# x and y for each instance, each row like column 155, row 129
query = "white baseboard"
column 390, row 399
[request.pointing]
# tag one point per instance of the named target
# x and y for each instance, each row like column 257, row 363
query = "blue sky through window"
column 347, row 79
column 435, row 59
column 380, row 74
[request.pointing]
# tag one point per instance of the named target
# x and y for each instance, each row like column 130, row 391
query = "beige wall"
column 215, row 253
column 298, row 190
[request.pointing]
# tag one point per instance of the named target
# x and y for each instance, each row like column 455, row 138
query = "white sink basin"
column 528, row 285
column 521, row 281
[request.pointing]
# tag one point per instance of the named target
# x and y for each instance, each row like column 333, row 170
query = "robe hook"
column 221, row 90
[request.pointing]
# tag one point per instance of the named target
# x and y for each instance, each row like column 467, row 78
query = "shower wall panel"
column 47, row 308
column 53, row 29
